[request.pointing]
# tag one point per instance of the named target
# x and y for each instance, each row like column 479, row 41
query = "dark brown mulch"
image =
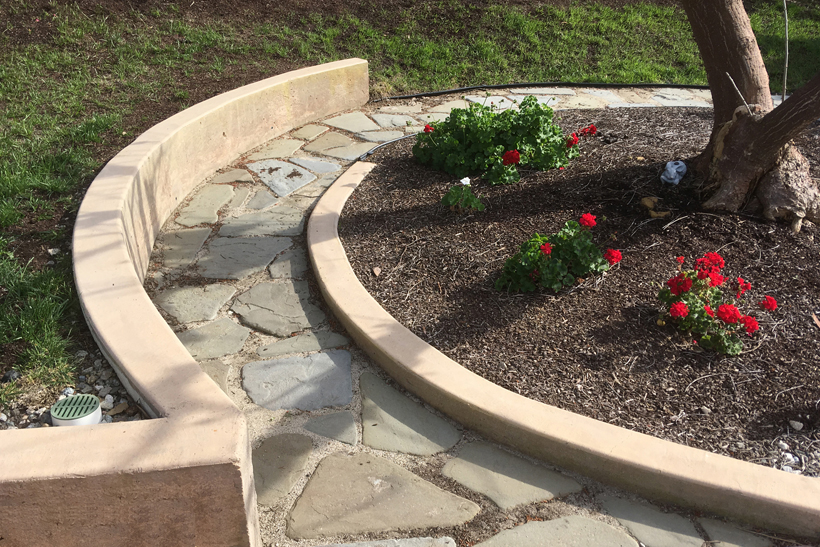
column 597, row 349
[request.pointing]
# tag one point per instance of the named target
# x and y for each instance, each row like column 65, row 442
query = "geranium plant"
column 461, row 197
column 556, row 261
column 696, row 304
column 482, row 140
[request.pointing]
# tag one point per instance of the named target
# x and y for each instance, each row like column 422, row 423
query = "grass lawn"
column 77, row 85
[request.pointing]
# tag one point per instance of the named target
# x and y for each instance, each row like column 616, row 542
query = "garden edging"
column 185, row 477
column 653, row 467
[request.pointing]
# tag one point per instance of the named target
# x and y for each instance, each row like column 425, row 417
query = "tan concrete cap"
column 185, row 477
column 653, row 467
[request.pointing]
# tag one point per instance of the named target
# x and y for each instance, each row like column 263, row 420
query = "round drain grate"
column 76, row 410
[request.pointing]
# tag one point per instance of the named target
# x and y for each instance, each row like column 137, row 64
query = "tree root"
column 787, row 192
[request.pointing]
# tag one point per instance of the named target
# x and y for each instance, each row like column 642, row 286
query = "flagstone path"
column 340, row 452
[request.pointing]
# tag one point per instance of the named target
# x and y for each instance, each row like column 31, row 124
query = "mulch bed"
column 597, row 348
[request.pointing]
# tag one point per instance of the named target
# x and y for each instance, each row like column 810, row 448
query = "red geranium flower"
column 429, row 128
column 750, row 323
column 768, row 303
column 572, row 140
column 742, row 286
column 612, row 256
column 679, row 284
column 679, row 309
column 715, row 279
column 587, row 220
column 546, row 248
column 728, row 313
column 511, row 157
column 680, row 260
column 708, row 311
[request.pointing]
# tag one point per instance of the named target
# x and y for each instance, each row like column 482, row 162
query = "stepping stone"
column 545, row 91
column 390, row 121
column 222, row 337
column 340, row 426
column 581, row 102
column 380, row 136
column 608, row 96
column 391, row 421
column 651, row 526
column 499, row 102
column 234, row 175
column 351, row 151
column 448, row 106
column 401, row 109
column 239, row 196
column 572, row 531
column 433, row 117
column 218, row 372
column 281, row 177
column 728, row 535
column 203, row 208
column 314, row 189
column 303, row 343
column 329, row 140
column 410, row 542
column 292, row 263
column 309, row 132
column 277, row 149
column 504, row 478
column 181, row 247
column 353, row 122
column 279, row 309
column 540, row 99
column 706, row 95
column 679, row 97
column 277, row 464
column 317, row 166
column 189, row 304
column 237, row 258
column 298, row 201
column 364, row 493
column 307, row 383
column 261, row 200
column 636, row 97
column 277, row 221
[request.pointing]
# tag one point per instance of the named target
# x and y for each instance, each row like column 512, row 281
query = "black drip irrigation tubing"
column 504, row 86
column 540, row 84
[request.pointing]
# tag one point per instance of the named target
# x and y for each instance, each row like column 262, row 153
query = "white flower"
column 465, row 181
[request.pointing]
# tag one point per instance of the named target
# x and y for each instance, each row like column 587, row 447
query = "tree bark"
column 749, row 153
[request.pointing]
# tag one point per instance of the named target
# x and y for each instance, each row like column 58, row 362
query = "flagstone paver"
column 316, row 165
column 309, row 132
column 540, row 99
column 218, row 372
column 504, row 478
column 391, row 421
column 365, row 493
column 678, row 97
column 217, row 339
column 303, row 343
column 340, row 426
column 380, row 136
column 607, row 95
column 281, row 148
column 401, row 109
column 292, row 263
column 354, row 122
column 204, row 205
column 572, row 531
column 328, row 141
column 652, row 527
column 433, row 117
column 281, row 177
column 239, row 196
column 237, row 258
column 351, row 151
column 447, row 107
column 277, row 465
column 307, row 383
column 410, row 542
column 390, row 121
column 261, row 200
column 729, row 535
column 581, row 101
column 276, row 221
column 187, row 304
column 279, row 309
column 500, row 102
column 181, row 247
column 233, row 175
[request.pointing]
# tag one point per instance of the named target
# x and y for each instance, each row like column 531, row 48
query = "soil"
column 597, row 348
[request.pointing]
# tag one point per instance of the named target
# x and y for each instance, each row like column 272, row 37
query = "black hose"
column 539, row 84
column 364, row 156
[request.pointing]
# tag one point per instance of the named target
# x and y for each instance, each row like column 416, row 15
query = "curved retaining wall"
column 658, row 469
column 184, row 478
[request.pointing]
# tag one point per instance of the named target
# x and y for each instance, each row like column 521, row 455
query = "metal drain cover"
column 76, row 410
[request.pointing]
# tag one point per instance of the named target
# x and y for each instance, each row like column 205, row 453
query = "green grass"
column 69, row 103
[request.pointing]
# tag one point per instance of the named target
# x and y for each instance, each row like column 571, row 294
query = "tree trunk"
column 750, row 152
